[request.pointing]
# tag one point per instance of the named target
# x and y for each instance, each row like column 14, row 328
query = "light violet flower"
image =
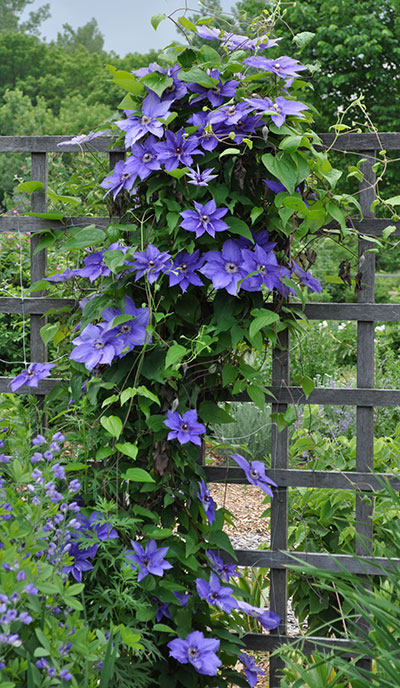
column 207, row 501
column 32, row 375
column 255, row 473
column 185, row 428
column 216, row 594
column 206, row 218
column 137, row 127
column 149, row 559
column 197, row 650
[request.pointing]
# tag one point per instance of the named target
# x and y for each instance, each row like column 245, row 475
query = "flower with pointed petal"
column 149, row 559
column 206, row 218
column 32, row 375
column 251, row 670
column 216, row 594
column 137, row 127
column 255, row 473
column 207, row 501
column 183, row 270
column 225, row 269
column 185, row 428
column 197, row 650
column 151, row 263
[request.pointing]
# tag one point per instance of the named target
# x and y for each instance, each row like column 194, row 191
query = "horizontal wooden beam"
column 25, row 223
column 328, row 396
column 271, row 641
column 371, row 566
column 362, row 142
column 368, row 312
column 293, row 477
column 48, row 144
column 44, row 387
column 31, row 305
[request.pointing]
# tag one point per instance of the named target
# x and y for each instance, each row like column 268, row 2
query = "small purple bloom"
column 215, row 593
column 178, row 150
column 36, row 457
column 265, row 265
column 97, row 523
column 207, row 501
column 39, row 439
column 82, row 139
column 151, row 263
column 182, row 597
column 59, row 471
column 185, row 428
column 61, row 276
column 148, row 560
column 51, row 671
column 25, row 618
column 58, row 437
column 145, row 159
column 251, row 670
column 225, row 571
column 283, row 107
column 217, row 93
column 42, row 663
column 137, row 127
column 122, row 177
column 4, row 458
column 30, row 589
column 94, row 267
column 306, row 278
column 132, row 332
column 96, row 346
column 197, row 650
column 206, row 218
column 268, row 620
column 255, row 473
column 32, row 375
column 162, row 610
column 225, row 269
column 74, row 486
column 183, row 270
column 65, row 675
column 284, row 67
column 48, row 455
column 80, row 562
column 200, row 178
column 21, row 575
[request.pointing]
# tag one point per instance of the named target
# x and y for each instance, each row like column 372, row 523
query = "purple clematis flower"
column 266, row 266
column 162, row 610
column 225, row 269
column 283, row 107
column 207, row 501
column 96, row 524
column 32, row 375
column 148, row 123
column 197, row 650
column 151, row 263
column 183, row 270
column 200, row 178
column 306, row 278
column 255, row 473
column 177, row 150
column 182, row 597
column 95, row 267
column 122, row 177
column 225, row 571
column 144, row 159
column 234, row 41
column 215, row 593
column 268, row 620
column 206, row 218
column 251, row 670
column 81, row 139
column 208, row 138
column 95, row 346
column 148, row 560
column 133, row 332
column 284, row 67
column 185, row 428
column 229, row 114
column 61, row 276
column 217, row 93
column 81, row 562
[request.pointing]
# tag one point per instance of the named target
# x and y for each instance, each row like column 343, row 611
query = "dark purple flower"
column 306, row 278
column 182, row 597
column 162, row 610
column 42, row 663
column 284, row 67
column 215, row 593
column 81, row 139
column 151, row 263
column 61, row 276
column 183, row 270
column 197, row 650
column 96, row 524
column 132, row 332
column 32, row 375
column 200, row 178
column 224, row 570
column 122, row 177
column 268, row 620
column 177, row 150
column 207, row 501
column 225, row 269
column 145, row 159
column 65, row 675
column 251, row 670
column 206, row 218
column 283, row 107
column 80, row 562
column 148, row 560
column 137, row 127
column 94, row 267
column 255, row 473
column 265, row 265
column 96, row 346
column 185, row 428
column 207, row 136
column 217, row 93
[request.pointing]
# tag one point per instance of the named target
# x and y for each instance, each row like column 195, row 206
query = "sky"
column 125, row 24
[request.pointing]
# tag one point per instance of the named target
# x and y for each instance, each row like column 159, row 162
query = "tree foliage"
column 10, row 11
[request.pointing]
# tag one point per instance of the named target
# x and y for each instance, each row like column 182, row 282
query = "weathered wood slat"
column 25, row 223
column 48, row 144
column 371, row 566
column 293, row 477
column 44, row 387
column 382, row 312
column 38, row 306
column 38, row 260
column 363, row 142
column 329, row 396
column 269, row 642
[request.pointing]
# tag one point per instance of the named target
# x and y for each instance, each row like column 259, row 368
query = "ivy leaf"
column 138, row 475
column 112, row 424
column 237, row 226
column 174, row 354
column 157, row 82
column 209, row 412
column 84, row 237
column 156, row 20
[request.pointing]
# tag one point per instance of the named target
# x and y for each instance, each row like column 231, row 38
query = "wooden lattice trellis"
column 364, row 397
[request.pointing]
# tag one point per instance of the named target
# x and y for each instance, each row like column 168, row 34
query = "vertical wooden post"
column 279, row 503
column 38, row 261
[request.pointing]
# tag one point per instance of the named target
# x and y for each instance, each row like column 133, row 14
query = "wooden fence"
column 364, row 397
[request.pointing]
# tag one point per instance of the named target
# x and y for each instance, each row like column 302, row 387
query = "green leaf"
column 295, row 203
column 175, row 353
column 48, row 331
column 144, row 392
column 29, row 187
column 128, row 449
column 114, row 259
column 112, row 424
column 130, row 637
column 75, row 589
column 187, row 24
column 198, row 76
column 209, row 412
column 208, row 54
column 157, row 82
column 257, row 395
column 54, row 215
column 255, row 213
column 388, row 231
column 71, row 200
column 229, row 151
column 126, row 80
column 138, row 475
column 304, row 38
column 306, row 383
column 178, row 173
column 163, row 628
column 84, row 237
column 290, row 143
column 156, row 20
column 283, row 169
column 237, row 226
column 229, row 374
column 394, row 200
column 187, row 57
column 337, row 213
column 263, row 318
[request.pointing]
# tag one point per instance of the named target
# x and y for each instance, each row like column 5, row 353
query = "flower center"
column 231, row 268
column 170, row 89
column 184, row 267
column 185, row 427
column 152, row 264
column 146, row 561
column 276, row 107
column 146, row 119
column 30, row 372
column 206, row 498
column 214, row 596
column 254, row 473
column 231, row 111
column 277, row 65
column 261, row 268
column 216, row 89
column 178, row 150
column 192, row 653
column 205, row 219
column 98, row 344
column 147, row 157
column 125, row 329
column 125, row 176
